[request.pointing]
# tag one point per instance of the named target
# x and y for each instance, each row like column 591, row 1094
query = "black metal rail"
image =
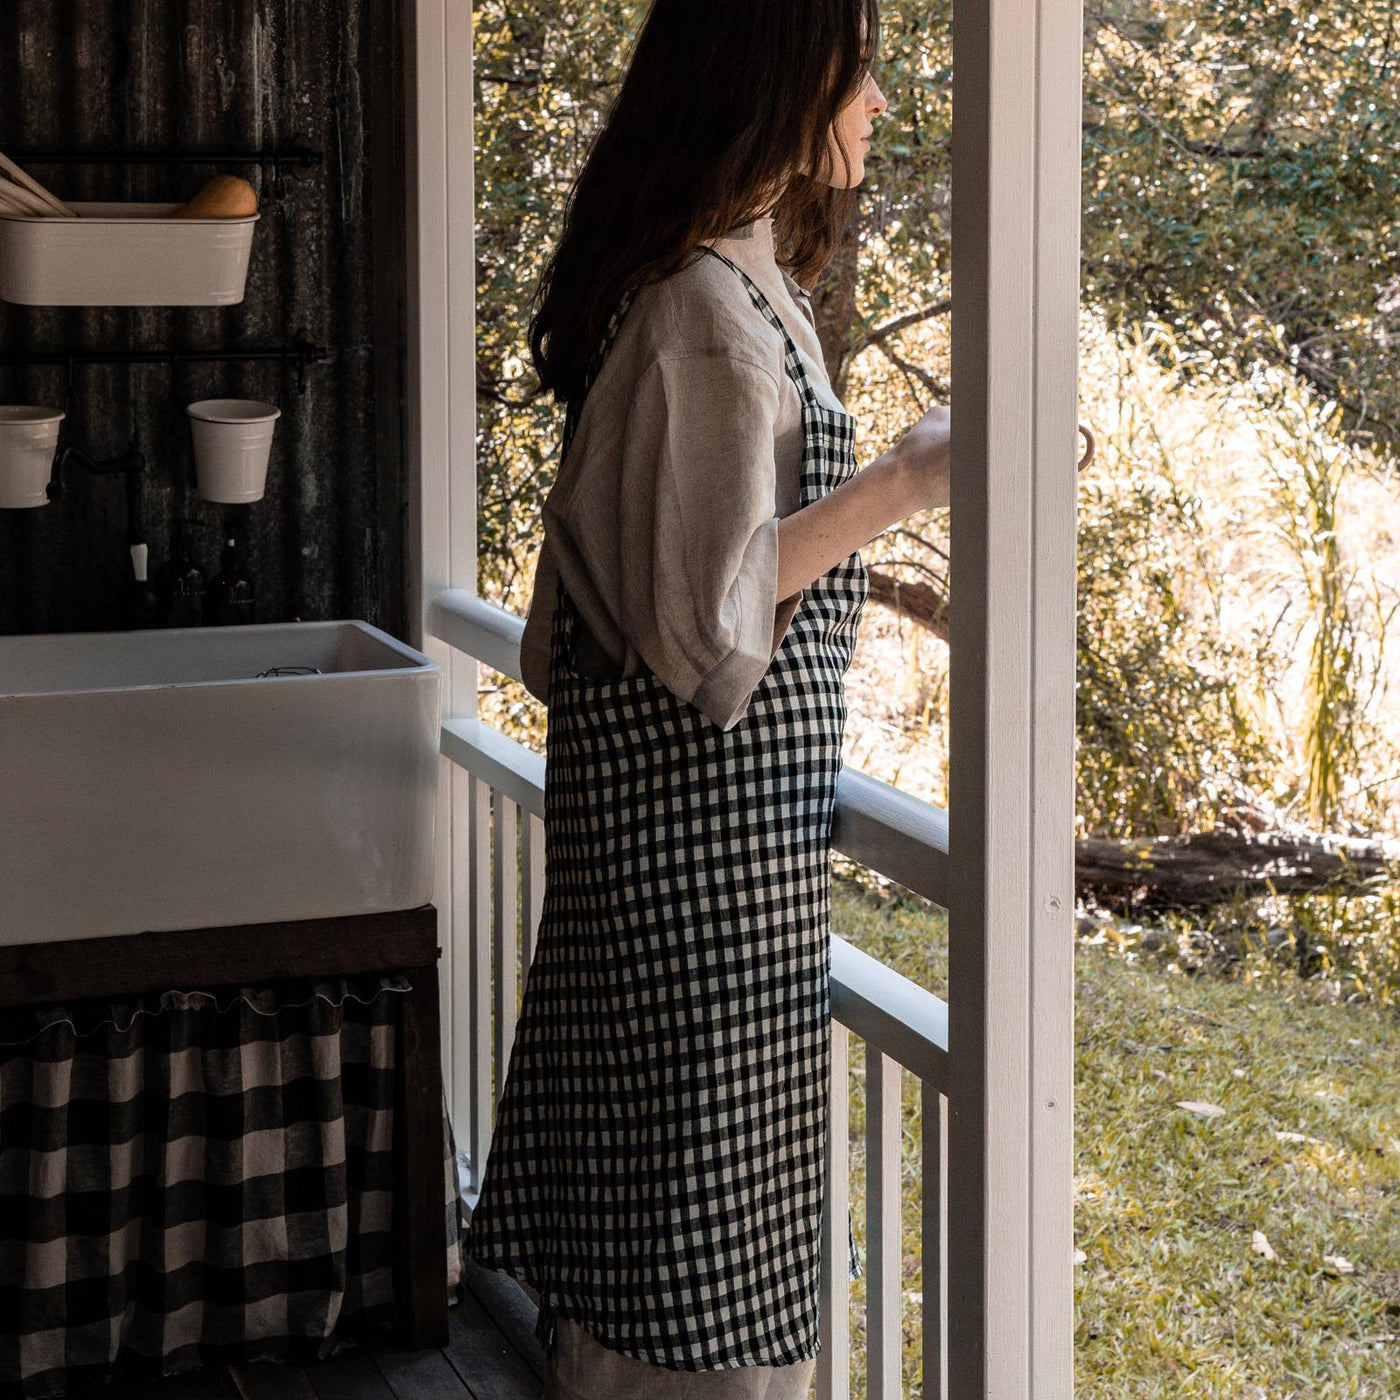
column 296, row 153
column 302, row 351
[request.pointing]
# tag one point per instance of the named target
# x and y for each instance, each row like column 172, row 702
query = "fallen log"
column 1203, row 868
column 1211, row 866
column 919, row 602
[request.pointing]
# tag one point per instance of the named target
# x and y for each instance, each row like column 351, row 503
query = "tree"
column 1241, row 176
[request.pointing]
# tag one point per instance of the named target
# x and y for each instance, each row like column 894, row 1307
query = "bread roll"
column 224, row 197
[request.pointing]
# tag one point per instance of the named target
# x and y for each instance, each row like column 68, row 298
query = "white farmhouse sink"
column 151, row 781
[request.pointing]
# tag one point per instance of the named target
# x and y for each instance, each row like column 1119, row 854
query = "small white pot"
column 28, row 440
column 232, row 442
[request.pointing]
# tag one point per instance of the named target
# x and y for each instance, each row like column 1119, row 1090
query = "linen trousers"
column 580, row 1368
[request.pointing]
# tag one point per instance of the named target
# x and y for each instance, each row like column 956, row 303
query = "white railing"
column 497, row 809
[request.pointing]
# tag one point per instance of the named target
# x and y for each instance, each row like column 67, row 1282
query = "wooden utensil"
column 20, row 177
column 18, row 200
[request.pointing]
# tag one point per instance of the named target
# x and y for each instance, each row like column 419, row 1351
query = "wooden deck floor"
column 491, row 1354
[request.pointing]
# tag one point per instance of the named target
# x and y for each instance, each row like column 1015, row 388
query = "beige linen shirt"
column 663, row 519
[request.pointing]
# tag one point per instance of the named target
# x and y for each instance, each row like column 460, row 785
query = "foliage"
column 1241, row 184
column 1201, row 603
column 544, row 71
column 1238, row 578
column 1343, row 942
column 1309, row 470
column 1164, row 741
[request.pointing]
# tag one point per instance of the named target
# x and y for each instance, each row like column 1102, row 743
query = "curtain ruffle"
column 197, row 1176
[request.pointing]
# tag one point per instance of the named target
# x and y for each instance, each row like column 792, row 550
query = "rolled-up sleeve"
column 700, row 538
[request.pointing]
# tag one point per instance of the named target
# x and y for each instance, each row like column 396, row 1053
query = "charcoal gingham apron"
column 658, row 1156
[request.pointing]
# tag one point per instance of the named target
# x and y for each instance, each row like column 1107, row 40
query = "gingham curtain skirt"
column 197, row 1177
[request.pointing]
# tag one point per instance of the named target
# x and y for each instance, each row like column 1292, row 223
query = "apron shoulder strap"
column 600, row 353
column 797, row 371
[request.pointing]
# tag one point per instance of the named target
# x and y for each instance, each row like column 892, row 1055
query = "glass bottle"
column 230, row 598
column 181, row 584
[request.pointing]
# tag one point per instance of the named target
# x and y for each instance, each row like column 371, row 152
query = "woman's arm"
column 910, row 477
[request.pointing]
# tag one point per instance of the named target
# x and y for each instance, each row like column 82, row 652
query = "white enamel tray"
column 123, row 255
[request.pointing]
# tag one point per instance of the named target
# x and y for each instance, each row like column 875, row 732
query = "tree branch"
column 486, row 388
column 936, row 387
column 901, row 323
column 916, row 601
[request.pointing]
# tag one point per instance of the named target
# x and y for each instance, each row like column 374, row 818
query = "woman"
column 657, row 1165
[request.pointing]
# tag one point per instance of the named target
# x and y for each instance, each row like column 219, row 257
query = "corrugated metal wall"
column 90, row 75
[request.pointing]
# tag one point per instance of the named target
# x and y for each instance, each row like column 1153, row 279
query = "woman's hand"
column 910, row 477
column 922, row 455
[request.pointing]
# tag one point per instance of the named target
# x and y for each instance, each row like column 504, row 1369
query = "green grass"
column 1172, row 1299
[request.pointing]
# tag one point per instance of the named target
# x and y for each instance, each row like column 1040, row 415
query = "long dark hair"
column 722, row 101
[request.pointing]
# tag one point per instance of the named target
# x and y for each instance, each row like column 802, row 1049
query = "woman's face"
column 850, row 132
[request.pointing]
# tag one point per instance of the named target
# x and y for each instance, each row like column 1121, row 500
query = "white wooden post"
column 1016, row 182
column 440, row 426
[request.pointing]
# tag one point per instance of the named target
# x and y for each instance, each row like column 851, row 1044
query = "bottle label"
column 233, row 611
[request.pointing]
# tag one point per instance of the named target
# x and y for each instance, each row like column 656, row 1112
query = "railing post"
column 532, row 886
column 472, row 994
column 884, row 1282
column 505, row 911
column 933, row 1215
column 440, row 402
column 833, row 1371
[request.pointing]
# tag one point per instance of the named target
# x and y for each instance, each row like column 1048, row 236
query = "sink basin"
column 155, row 780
